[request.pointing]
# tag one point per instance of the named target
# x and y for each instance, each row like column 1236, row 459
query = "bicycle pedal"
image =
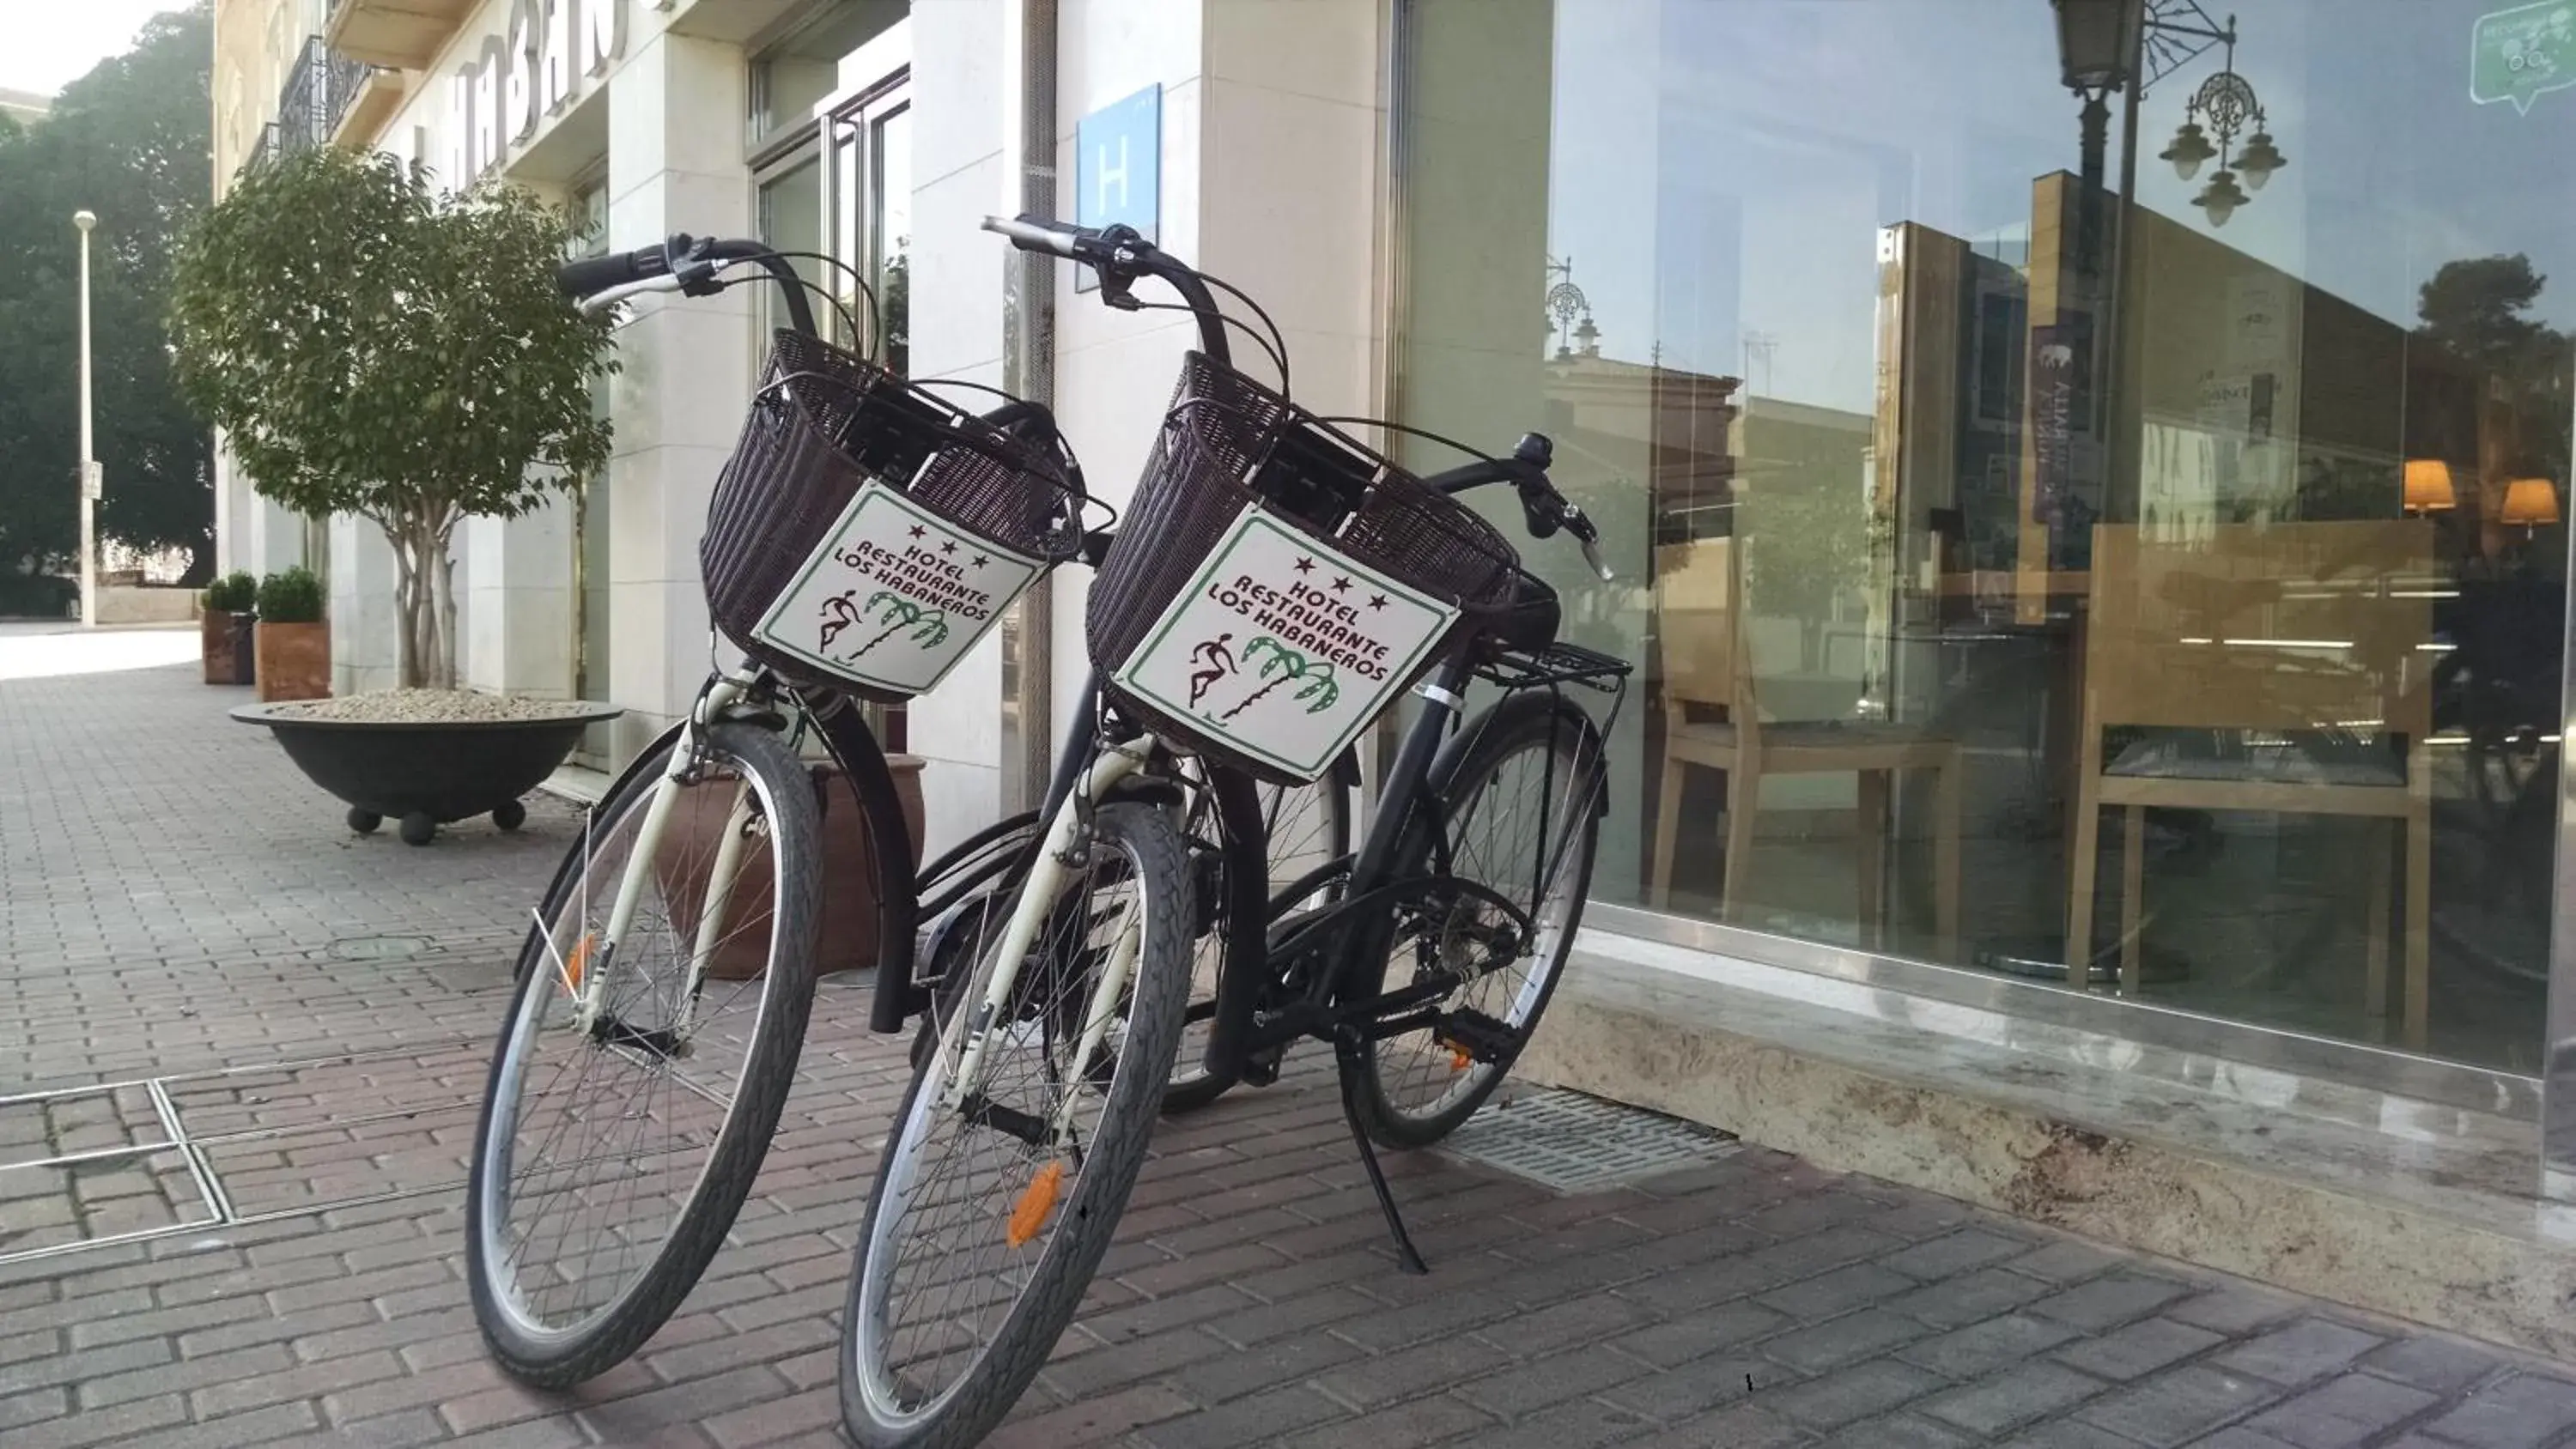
column 1261, row 1069
column 1475, row 1037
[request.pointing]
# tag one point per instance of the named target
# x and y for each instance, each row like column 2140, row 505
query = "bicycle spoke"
column 977, row 1203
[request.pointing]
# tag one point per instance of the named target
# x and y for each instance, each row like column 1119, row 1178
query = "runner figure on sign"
column 1219, row 661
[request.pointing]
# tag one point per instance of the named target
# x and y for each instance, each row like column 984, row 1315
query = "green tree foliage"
column 291, row 597
column 373, row 345
column 235, row 593
column 129, row 142
column 2476, row 309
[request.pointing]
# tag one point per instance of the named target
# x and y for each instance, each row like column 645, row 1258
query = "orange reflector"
column 1459, row 1060
column 1036, row 1203
column 580, row 959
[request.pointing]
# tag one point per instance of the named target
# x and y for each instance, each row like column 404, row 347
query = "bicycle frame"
column 1347, row 994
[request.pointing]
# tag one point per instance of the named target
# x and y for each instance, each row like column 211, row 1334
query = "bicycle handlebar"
column 1034, row 234
column 1120, row 254
column 682, row 264
column 1543, row 508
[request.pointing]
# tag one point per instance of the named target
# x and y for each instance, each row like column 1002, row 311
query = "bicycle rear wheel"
column 609, row 1162
column 1522, row 786
column 985, row 1225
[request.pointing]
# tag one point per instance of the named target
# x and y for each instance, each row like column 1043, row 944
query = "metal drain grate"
column 1574, row 1143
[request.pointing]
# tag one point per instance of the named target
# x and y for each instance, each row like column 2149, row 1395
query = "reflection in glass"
column 2045, row 558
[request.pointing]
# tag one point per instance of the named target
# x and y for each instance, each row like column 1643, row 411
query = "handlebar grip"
column 593, row 275
column 1036, row 234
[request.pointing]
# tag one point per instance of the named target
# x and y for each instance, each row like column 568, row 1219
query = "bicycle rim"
column 1523, row 828
column 977, row 1235
column 595, row 1147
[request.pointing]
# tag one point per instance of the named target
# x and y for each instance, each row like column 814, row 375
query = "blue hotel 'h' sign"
column 1117, row 169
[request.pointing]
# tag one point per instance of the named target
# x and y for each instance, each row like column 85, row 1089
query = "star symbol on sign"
column 949, row 547
column 1305, row 566
column 979, row 562
column 1341, row 585
column 918, row 531
column 1377, row 601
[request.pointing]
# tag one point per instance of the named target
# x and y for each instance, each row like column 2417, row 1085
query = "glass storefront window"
column 812, row 57
column 2123, row 550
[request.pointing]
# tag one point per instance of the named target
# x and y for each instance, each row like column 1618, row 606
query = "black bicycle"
column 1056, row 1002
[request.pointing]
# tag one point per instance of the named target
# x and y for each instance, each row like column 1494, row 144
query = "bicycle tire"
column 1301, row 828
column 1514, row 726
column 1077, row 1226
column 557, row 1357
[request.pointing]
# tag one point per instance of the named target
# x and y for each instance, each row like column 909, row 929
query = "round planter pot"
column 427, row 774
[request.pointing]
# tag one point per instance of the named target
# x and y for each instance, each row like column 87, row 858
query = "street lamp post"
column 88, row 454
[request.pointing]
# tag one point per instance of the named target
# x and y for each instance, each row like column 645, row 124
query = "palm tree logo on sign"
column 1289, row 666
column 925, row 628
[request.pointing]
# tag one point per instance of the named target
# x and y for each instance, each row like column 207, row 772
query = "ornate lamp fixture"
column 1570, row 313
column 2225, row 107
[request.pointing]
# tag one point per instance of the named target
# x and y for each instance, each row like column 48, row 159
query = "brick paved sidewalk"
column 180, row 912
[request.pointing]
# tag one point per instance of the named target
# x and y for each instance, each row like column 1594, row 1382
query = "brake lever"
column 1592, row 556
column 1585, row 534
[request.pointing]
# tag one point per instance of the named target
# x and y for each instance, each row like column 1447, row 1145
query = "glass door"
column 867, row 204
column 842, row 187
column 870, row 184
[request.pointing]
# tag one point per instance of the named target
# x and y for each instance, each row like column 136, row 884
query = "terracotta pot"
column 294, row 661
column 215, row 644
column 849, row 927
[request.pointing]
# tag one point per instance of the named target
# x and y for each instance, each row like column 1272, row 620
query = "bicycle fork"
column 584, row 974
column 1046, row 880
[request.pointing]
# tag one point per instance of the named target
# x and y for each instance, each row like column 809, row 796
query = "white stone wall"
column 959, row 120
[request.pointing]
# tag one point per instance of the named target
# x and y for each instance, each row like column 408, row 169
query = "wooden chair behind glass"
column 2232, row 654
column 1713, row 721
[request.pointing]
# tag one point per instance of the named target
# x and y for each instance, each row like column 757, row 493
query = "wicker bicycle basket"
column 1230, row 443
column 825, row 423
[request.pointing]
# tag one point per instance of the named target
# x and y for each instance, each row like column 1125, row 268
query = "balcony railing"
column 264, row 149
column 319, row 88
column 345, row 76
column 304, row 106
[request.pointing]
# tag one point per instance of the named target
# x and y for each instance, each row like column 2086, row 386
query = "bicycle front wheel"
column 998, row 1192
column 1522, row 787
column 614, row 1151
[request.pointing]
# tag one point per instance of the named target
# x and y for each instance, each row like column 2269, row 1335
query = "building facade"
column 2088, row 477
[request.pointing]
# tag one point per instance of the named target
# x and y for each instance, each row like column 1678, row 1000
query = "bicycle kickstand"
column 1347, row 1044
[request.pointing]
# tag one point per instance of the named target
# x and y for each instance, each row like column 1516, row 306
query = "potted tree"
column 226, row 600
column 374, row 345
column 293, row 645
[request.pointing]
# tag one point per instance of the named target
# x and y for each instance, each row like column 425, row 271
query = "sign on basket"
column 1282, row 648
column 894, row 596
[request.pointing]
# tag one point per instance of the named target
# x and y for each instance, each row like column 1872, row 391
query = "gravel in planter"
column 431, row 706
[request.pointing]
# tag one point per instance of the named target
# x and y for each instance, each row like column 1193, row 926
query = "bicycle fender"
column 1507, row 710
